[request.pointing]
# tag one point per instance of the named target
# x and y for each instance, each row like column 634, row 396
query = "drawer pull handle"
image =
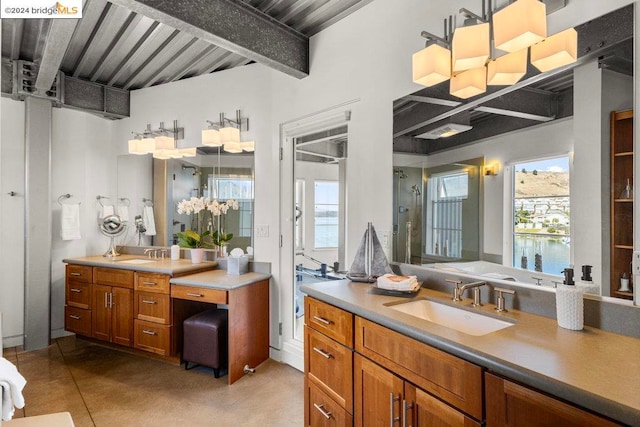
column 149, row 283
column 322, row 320
column 324, row 413
column 77, row 291
column 190, row 294
column 148, row 332
column 322, row 353
column 73, row 316
column 76, row 274
column 146, row 301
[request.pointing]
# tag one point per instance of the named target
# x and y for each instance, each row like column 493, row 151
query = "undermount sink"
column 137, row 261
column 461, row 320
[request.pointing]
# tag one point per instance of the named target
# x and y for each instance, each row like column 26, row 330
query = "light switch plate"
column 262, row 231
column 635, row 263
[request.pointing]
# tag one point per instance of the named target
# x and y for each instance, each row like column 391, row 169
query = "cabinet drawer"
column 448, row 377
column 113, row 277
column 194, row 293
column 152, row 282
column 77, row 320
column 329, row 365
column 152, row 307
column 78, row 294
column 331, row 321
column 426, row 410
column 321, row 410
column 152, row 337
column 79, row 273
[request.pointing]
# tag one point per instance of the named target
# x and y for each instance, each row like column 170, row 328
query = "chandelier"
column 467, row 56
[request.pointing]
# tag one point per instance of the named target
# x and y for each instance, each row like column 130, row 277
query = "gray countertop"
column 163, row 266
column 592, row 368
column 219, row 279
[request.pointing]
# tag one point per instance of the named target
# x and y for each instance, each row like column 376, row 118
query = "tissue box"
column 238, row 265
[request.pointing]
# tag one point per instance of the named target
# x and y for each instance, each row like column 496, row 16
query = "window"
column 541, row 211
column 326, row 214
column 240, row 188
column 445, row 193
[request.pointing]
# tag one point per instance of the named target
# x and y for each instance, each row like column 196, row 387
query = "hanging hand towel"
column 123, row 212
column 11, row 385
column 149, row 221
column 70, row 222
column 107, row 210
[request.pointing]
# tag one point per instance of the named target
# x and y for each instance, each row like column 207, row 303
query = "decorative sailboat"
column 370, row 261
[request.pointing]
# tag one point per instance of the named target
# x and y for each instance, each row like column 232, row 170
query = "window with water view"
column 541, row 209
column 326, row 214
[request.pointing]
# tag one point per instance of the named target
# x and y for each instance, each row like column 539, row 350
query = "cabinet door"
column 510, row 405
column 424, row 410
column 378, row 395
column 322, row 411
column 121, row 303
column 101, row 313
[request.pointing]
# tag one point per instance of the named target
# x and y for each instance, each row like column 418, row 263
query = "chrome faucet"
column 458, row 290
column 151, row 251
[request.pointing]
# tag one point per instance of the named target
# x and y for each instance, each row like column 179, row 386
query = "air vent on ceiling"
column 444, row 131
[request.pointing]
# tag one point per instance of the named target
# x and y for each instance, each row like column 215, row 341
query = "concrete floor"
column 100, row 386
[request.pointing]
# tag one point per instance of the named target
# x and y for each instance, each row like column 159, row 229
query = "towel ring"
column 63, row 197
column 147, row 202
column 125, row 201
column 99, row 199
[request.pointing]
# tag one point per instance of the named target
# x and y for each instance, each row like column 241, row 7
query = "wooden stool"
column 205, row 340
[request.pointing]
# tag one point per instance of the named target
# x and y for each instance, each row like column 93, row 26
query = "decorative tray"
column 363, row 278
column 395, row 293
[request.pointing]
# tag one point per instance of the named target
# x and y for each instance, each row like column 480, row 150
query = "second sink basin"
column 137, row 261
column 461, row 320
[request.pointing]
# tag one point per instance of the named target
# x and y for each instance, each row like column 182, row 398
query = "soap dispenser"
column 569, row 303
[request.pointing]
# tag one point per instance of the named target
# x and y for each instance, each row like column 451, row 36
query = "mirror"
column 564, row 112
column 148, row 185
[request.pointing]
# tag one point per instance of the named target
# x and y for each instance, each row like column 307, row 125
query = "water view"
column 553, row 249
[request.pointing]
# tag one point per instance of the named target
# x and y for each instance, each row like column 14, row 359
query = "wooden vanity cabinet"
column 112, row 305
column 77, row 311
column 511, row 404
column 152, row 313
column 328, row 365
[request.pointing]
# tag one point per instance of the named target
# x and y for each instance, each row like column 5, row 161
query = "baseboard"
column 16, row 341
column 59, row 333
column 293, row 354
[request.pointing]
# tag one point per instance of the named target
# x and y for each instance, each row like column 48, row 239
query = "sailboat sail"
column 370, row 261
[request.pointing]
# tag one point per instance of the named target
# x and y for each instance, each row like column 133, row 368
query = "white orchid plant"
column 204, row 236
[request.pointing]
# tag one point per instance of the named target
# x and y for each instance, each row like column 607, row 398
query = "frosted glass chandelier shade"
column 431, row 65
column 211, row 138
column 135, row 147
column 162, row 154
column 164, row 143
column 248, row 146
column 233, row 147
column 470, row 47
column 188, row 152
column 556, row 51
column 520, row 25
column 230, row 135
column 469, row 83
column 508, row 69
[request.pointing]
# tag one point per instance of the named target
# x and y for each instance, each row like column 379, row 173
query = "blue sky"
column 558, row 164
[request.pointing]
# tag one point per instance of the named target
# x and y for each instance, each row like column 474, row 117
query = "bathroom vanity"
column 141, row 303
column 368, row 362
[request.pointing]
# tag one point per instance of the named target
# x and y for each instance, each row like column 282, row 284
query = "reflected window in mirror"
column 326, row 215
column 446, row 193
column 541, row 207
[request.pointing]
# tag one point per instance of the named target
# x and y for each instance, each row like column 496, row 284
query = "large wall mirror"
column 541, row 153
column 159, row 185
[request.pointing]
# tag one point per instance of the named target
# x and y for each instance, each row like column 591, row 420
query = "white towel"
column 149, row 221
column 11, row 383
column 70, row 222
column 398, row 283
column 107, row 210
column 123, row 212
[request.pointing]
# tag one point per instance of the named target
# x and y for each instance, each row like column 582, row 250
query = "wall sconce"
column 226, row 134
column 491, row 169
column 161, row 143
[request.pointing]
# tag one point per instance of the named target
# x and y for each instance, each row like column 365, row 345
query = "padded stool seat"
column 206, row 339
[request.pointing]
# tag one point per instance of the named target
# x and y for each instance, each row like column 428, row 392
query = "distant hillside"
column 542, row 184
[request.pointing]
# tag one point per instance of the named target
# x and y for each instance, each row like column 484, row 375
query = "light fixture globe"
column 211, row 138
column 470, row 47
column 469, row 83
column 507, row 69
column 233, row 147
column 230, row 135
column 556, row 51
column 520, row 25
column 431, row 65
